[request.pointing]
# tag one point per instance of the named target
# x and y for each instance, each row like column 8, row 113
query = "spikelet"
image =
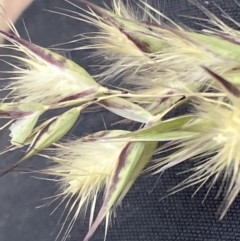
column 86, row 167
column 215, row 144
column 128, row 44
column 44, row 76
column 122, row 51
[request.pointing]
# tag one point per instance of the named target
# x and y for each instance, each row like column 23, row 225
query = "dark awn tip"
column 9, row 170
column 230, row 87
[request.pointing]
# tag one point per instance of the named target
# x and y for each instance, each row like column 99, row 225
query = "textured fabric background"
column 142, row 216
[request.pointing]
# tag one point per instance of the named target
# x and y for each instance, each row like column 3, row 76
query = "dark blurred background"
column 142, row 216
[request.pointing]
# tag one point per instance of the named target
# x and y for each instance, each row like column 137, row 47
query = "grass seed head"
column 216, row 146
column 84, row 169
column 43, row 76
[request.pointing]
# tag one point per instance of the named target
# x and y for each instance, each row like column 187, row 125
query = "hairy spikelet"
column 215, row 146
column 83, row 170
column 88, row 165
column 42, row 76
column 149, row 53
column 114, row 43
